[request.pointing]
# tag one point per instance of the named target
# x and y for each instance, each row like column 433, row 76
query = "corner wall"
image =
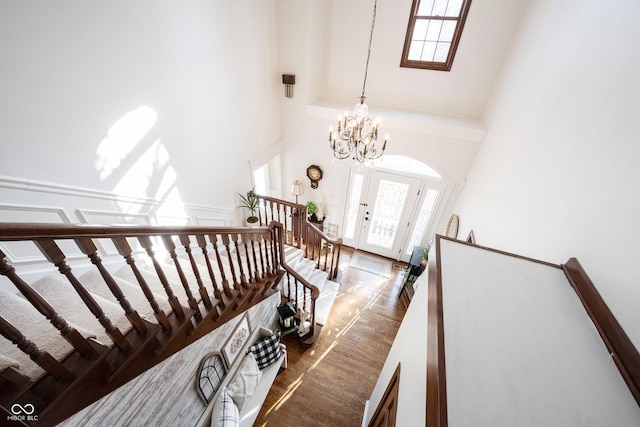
column 557, row 175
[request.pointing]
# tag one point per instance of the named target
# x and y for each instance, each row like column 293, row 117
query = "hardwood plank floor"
column 329, row 383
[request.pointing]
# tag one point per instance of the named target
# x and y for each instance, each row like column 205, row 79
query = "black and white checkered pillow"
column 229, row 415
column 267, row 350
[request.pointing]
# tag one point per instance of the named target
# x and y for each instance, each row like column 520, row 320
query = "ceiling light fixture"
column 357, row 135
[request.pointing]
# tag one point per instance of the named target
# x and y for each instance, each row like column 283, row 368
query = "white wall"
column 557, row 175
column 76, row 75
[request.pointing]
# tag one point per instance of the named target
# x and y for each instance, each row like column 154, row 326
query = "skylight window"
column 433, row 33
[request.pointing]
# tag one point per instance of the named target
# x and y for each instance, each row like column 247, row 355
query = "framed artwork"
column 237, row 340
column 210, row 375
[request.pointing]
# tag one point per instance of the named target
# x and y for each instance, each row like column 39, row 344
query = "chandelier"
column 357, row 134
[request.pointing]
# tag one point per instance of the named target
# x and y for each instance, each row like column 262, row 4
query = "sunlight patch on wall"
column 149, row 175
column 141, row 177
column 123, row 137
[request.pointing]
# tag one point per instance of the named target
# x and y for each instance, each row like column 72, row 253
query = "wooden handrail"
column 292, row 216
column 202, row 276
column 324, row 250
column 623, row 352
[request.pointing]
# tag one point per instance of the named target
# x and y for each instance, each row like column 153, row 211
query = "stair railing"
column 192, row 280
column 301, row 233
column 301, row 294
column 322, row 249
column 290, row 215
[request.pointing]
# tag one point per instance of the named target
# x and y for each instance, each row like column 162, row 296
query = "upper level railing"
column 618, row 345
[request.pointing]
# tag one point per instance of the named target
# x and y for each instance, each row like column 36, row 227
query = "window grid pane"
column 442, row 50
column 433, row 33
column 425, row 8
column 453, row 8
column 440, row 8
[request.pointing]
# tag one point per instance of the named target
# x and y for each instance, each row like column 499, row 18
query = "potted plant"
column 250, row 201
column 312, row 208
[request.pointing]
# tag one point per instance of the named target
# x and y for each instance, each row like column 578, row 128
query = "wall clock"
column 314, row 173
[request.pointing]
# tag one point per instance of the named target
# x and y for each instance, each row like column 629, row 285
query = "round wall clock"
column 314, row 173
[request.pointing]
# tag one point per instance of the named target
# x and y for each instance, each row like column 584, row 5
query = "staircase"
column 111, row 302
column 327, row 289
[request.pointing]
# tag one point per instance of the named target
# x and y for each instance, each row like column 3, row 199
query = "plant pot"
column 252, row 221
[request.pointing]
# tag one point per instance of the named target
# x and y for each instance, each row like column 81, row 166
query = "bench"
column 251, row 408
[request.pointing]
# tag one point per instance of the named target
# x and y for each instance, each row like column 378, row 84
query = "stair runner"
column 63, row 297
column 307, row 269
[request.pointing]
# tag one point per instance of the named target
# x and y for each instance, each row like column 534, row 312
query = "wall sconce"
column 288, row 80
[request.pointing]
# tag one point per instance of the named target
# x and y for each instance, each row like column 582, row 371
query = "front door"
column 388, row 212
column 388, row 207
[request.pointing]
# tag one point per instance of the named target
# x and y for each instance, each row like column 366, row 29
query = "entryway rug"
column 371, row 264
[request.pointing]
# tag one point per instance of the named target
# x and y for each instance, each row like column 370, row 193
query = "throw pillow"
column 225, row 413
column 245, row 381
column 267, row 350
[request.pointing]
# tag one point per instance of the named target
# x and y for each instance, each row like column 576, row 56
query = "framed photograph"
column 237, row 340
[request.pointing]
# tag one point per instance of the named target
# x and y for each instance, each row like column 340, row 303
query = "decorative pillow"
column 245, row 381
column 267, row 350
column 225, row 413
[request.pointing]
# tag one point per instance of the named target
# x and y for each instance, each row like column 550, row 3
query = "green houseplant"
column 250, row 201
column 312, row 208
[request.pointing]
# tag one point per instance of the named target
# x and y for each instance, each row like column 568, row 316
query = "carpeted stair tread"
column 305, row 268
column 94, row 282
column 318, row 278
column 327, row 288
column 153, row 281
column 7, row 362
column 325, row 301
column 64, row 298
column 35, row 327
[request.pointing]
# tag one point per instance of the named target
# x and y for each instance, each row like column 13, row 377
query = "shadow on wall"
column 139, row 166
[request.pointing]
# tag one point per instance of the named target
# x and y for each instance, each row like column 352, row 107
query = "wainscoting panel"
column 26, row 201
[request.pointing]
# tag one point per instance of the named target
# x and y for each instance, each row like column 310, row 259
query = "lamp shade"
column 297, row 188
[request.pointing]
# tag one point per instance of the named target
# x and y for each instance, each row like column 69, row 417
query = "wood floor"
column 329, row 383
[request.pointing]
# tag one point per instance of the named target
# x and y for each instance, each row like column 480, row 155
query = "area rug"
column 371, row 264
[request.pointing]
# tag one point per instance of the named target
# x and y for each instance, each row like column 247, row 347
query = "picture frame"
column 211, row 373
column 236, row 342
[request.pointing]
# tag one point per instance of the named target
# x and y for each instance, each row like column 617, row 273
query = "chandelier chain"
column 366, row 68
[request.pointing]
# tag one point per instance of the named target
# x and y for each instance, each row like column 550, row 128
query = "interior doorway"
column 389, row 211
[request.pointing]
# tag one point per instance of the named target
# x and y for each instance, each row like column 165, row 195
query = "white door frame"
column 352, row 237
